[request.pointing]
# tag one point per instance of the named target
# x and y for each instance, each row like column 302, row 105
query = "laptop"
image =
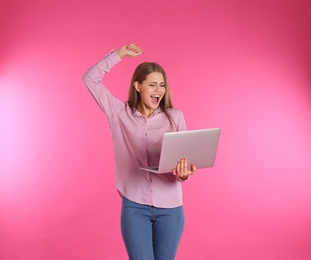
column 199, row 147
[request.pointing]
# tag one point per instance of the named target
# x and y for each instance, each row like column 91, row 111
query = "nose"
column 157, row 88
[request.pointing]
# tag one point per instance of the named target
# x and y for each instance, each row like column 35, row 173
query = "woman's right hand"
column 130, row 50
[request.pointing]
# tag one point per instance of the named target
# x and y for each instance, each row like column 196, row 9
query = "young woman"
column 152, row 218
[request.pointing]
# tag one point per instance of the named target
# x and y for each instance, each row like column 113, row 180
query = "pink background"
column 240, row 65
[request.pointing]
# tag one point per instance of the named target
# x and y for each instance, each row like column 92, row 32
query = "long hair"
column 139, row 75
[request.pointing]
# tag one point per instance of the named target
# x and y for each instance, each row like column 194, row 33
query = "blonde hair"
column 139, row 75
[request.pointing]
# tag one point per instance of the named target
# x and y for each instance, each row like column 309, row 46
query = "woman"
column 152, row 218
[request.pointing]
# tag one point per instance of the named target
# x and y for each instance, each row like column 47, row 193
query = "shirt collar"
column 138, row 114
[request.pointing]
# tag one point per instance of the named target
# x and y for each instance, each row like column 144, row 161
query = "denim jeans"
column 151, row 233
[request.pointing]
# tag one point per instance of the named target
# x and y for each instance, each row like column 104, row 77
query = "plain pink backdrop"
column 240, row 65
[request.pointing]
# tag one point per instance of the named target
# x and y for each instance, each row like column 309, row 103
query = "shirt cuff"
column 113, row 55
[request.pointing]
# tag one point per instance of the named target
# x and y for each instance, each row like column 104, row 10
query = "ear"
column 137, row 86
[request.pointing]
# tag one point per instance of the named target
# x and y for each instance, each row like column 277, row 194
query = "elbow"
column 85, row 78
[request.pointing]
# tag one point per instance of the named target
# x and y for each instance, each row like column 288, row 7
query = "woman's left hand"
column 181, row 170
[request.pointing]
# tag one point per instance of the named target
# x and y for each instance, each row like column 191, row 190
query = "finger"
column 134, row 48
column 193, row 169
column 185, row 170
column 131, row 45
column 185, row 165
column 181, row 165
column 138, row 49
column 178, row 168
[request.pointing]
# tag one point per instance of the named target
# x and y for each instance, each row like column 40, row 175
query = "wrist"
column 119, row 52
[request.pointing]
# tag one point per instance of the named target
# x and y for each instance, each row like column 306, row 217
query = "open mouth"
column 155, row 99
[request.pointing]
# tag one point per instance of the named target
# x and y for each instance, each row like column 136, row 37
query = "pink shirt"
column 137, row 143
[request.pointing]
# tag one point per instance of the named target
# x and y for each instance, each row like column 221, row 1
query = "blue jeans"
column 151, row 233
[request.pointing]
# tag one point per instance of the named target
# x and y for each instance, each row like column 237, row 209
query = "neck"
column 146, row 113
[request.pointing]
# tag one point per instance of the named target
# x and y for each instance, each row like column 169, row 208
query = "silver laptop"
column 199, row 147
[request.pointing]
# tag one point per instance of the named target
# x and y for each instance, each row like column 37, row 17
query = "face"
column 151, row 91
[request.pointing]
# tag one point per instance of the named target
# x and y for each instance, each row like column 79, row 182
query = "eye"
column 163, row 85
column 152, row 85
